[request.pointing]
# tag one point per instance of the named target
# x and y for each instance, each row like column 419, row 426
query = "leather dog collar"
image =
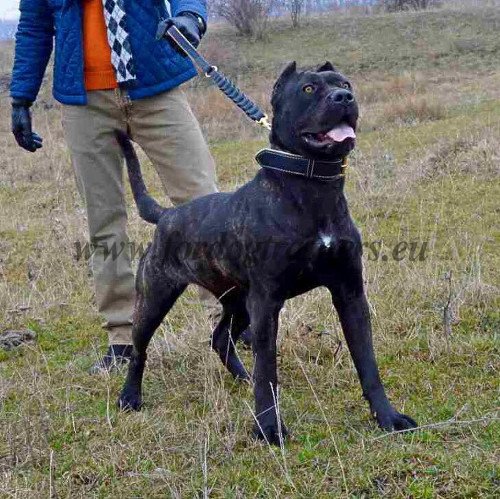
column 298, row 165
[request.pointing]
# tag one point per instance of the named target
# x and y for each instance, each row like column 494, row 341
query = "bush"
column 295, row 7
column 396, row 5
column 249, row 17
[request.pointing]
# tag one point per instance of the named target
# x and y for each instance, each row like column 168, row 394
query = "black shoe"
column 116, row 356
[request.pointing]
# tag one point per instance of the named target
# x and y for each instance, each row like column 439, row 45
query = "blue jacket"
column 159, row 67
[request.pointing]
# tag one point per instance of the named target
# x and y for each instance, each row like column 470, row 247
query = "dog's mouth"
column 336, row 135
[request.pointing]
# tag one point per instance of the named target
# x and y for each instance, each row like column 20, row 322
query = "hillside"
column 425, row 172
column 7, row 29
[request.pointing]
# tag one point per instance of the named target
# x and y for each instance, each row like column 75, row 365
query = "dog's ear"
column 289, row 70
column 327, row 66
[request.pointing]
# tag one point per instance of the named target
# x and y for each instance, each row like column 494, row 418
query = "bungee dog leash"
column 295, row 163
column 220, row 79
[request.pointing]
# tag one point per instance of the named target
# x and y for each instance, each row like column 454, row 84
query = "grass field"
column 426, row 171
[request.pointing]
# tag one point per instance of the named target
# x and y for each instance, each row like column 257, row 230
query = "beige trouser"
column 166, row 129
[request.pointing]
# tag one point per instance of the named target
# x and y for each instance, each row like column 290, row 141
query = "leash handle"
column 220, row 79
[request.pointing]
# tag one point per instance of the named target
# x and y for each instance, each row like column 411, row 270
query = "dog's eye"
column 345, row 85
column 308, row 89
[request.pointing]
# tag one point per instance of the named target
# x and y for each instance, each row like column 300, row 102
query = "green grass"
column 425, row 177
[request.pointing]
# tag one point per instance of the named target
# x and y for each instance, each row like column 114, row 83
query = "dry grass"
column 412, row 110
column 426, row 170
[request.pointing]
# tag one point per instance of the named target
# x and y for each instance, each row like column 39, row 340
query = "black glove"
column 189, row 24
column 21, row 126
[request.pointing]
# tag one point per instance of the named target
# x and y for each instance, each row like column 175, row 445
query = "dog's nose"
column 342, row 96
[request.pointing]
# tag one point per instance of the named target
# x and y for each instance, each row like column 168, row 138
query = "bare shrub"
column 397, row 5
column 249, row 17
column 296, row 8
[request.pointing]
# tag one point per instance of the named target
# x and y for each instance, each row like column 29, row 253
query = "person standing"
column 111, row 73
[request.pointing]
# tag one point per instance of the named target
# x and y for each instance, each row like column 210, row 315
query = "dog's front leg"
column 352, row 307
column 264, row 316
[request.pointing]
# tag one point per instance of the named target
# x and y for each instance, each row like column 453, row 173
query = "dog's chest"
column 314, row 252
column 325, row 241
column 324, row 248
column 306, row 265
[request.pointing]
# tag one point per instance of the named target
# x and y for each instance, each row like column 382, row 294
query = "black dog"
column 282, row 234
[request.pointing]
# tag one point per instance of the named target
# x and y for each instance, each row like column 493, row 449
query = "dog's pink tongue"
column 341, row 132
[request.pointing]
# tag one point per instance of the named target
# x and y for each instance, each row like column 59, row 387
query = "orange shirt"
column 98, row 70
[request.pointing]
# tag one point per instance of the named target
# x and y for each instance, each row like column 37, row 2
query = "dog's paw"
column 129, row 402
column 236, row 368
column 270, row 433
column 395, row 421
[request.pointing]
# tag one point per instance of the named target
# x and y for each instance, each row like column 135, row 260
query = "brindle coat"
column 276, row 237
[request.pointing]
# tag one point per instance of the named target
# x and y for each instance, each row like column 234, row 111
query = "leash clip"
column 264, row 122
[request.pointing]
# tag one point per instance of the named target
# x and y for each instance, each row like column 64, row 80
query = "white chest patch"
column 326, row 240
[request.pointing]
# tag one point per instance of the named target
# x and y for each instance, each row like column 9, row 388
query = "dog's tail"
column 149, row 209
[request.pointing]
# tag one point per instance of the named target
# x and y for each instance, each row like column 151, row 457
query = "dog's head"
column 314, row 112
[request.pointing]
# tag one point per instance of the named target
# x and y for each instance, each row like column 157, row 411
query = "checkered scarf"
column 118, row 39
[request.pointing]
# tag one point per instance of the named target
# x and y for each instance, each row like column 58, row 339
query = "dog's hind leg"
column 150, row 309
column 233, row 322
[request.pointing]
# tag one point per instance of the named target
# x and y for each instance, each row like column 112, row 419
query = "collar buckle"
column 344, row 167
